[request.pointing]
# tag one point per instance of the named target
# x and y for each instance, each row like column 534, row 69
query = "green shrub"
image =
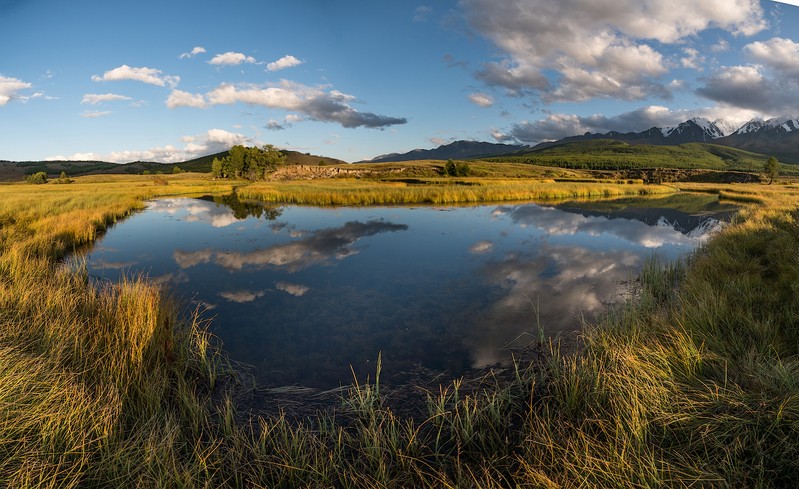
column 37, row 178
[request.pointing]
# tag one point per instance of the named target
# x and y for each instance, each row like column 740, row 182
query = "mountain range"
column 774, row 137
column 459, row 150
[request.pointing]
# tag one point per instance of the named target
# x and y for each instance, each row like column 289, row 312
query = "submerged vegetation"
column 692, row 384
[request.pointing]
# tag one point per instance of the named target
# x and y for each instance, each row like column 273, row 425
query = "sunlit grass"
column 694, row 383
column 441, row 191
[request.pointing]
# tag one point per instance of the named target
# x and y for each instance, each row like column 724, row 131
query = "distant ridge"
column 459, row 150
column 775, row 137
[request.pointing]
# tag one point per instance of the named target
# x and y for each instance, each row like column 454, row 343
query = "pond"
column 304, row 293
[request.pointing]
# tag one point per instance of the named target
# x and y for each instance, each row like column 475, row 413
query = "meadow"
column 693, row 383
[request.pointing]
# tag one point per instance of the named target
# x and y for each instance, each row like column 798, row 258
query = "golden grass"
column 692, row 384
column 436, row 191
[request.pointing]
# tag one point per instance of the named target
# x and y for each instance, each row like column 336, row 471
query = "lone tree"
column 772, row 169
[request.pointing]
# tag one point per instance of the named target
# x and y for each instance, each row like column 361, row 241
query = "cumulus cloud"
column 553, row 127
column 316, row 103
column 481, row 99
column 692, row 59
column 212, row 141
column 780, row 54
column 231, row 58
column 768, row 84
column 180, row 98
column 194, row 52
column 10, row 88
column 287, row 61
column 98, row 98
column 150, row 76
column 572, row 50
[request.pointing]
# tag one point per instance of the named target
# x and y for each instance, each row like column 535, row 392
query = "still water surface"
column 302, row 293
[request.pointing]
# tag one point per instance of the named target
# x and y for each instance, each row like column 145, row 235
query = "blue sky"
column 168, row 81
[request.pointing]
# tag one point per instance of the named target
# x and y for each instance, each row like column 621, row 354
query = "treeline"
column 248, row 163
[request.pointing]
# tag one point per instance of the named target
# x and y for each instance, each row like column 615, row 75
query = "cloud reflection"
column 294, row 289
column 241, row 296
column 481, row 247
column 558, row 222
column 321, row 246
column 555, row 285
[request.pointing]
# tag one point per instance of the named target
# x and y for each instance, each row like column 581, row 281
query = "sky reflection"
column 304, row 293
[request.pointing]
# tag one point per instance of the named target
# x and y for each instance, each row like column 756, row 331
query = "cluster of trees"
column 249, row 163
column 40, row 177
column 459, row 169
column 37, row 178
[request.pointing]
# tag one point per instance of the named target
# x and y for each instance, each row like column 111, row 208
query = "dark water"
column 302, row 293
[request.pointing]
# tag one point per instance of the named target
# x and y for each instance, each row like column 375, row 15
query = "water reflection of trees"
column 243, row 209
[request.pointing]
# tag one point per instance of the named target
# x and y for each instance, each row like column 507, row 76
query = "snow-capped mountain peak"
column 779, row 124
column 709, row 127
column 753, row 125
column 725, row 127
column 784, row 124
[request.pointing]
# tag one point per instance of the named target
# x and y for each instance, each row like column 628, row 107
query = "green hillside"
column 606, row 154
column 11, row 171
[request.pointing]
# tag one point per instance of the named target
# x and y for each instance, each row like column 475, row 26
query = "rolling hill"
column 609, row 154
column 15, row 171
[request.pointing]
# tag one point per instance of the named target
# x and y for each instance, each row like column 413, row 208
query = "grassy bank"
column 693, row 384
column 442, row 191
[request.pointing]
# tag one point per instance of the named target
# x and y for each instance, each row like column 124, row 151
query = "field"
column 692, row 384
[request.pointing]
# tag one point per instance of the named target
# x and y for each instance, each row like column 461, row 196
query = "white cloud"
column 768, row 85
column 194, row 52
column 98, row 98
column 693, row 59
column 721, row 46
column 553, row 127
column 604, row 48
column 179, row 98
column 231, row 58
column 93, row 114
column 315, row 102
column 10, row 88
column 750, row 87
column 151, row 76
column 481, row 99
column 212, row 141
column 779, row 54
column 287, row 61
